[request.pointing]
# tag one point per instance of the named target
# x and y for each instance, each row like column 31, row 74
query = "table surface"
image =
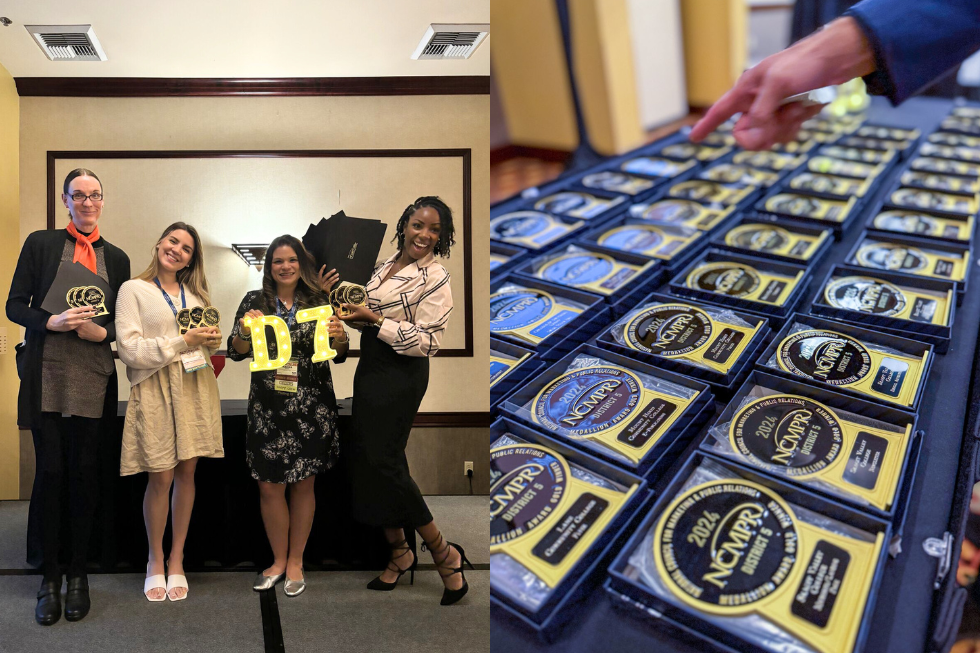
column 901, row 620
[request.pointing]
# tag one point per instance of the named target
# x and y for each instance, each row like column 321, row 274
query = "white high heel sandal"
column 158, row 581
column 177, row 580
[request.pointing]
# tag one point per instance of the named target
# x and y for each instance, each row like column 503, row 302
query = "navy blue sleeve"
column 916, row 41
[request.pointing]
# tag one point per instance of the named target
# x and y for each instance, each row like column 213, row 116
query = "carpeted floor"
column 222, row 613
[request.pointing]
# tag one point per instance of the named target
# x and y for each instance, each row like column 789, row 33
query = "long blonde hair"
column 192, row 276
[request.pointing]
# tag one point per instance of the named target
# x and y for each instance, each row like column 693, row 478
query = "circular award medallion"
column 758, row 237
column 211, row 316
column 78, row 296
column 563, row 202
column 356, row 295
column 698, row 189
column 184, row 318
column 890, row 256
column 866, row 295
column 922, row 199
column 578, row 269
column 673, row 211
column 530, row 484
column 517, row 309
column 197, row 315
column 615, row 181
column 633, row 238
column 733, row 279
column 831, row 166
column 589, row 400
column 669, row 330
column 722, row 546
column 816, row 182
column 681, row 151
column 793, row 204
column 652, row 166
column 765, row 159
column 93, row 296
column 929, row 180
column 520, row 224
column 826, row 356
column 727, row 173
column 905, row 221
column 788, row 432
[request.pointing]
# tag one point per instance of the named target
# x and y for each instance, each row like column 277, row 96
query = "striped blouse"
column 416, row 303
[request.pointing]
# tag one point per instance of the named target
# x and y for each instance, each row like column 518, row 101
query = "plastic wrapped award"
column 545, row 514
column 843, row 187
column 858, row 154
column 577, row 205
column 955, row 140
column 797, row 205
column 683, row 212
column 842, row 167
column 774, row 239
column 743, row 281
column 618, row 182
column 797, row 437
column 766, row 159
column 710, row 192
column 774, row 574
column 662, row 241
column 612, row 409
column 656, row 166
column 730, row 173
column 945, row 166
column 924, row 224
column 502, row 363
column 878, row 297
column 531, row 229
column 933, row 181
column 684, row 151
column 948, row 152
column 529, row 314
column 707, row 337
column 909, row 259
column 585, row 270
column 915, row 198
column 844, row 361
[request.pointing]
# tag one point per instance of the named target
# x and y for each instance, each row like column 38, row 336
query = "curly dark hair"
column 308, row 293
column 446, row 233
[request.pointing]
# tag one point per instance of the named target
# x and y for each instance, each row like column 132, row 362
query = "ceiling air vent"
column 68, row 42
column 451, row 41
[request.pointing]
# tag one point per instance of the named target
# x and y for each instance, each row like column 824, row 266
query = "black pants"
column 66, row 449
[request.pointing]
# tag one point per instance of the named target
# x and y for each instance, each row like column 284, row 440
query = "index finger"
column 736, row 100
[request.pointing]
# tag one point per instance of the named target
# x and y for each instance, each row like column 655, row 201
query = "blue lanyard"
column 183, row 301
column 290, row 315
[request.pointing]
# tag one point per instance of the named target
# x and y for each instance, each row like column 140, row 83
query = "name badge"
column 287, row 377
column 193, row 360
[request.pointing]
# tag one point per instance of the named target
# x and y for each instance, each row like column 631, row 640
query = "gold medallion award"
column 541, row 514
column 742, row 281
column 577, row 205
column 801, row 438
column 585, row 270
column 692, row 151
column 87, row 296
column 932, row 181
column 874, row 143
column 729, row 173
column 845, row 362
column 947, row 152
column 924, row 224
column 887, row 133
column 858, row 154
column 955, row 140
column 662, row 241
column 683, row 212
column 767, row 159
column 530, row 228
column 655, row 166
column 946, row 166
column 618, row 182
column 690, row 333
column 710, row 192
column 830, row 166
column 771, row 238
column 829, row 184
column 909, row 259
column 529, row 314
column 610, row 408
column 807, row 206
column 878, row 297
column 732, row 548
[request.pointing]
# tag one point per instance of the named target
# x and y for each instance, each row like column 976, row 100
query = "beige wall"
column 9, row 216
column 275, row 123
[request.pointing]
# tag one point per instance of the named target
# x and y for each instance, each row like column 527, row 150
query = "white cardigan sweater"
column 147, row 337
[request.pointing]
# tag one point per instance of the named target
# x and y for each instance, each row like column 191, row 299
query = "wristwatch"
column 380, row 321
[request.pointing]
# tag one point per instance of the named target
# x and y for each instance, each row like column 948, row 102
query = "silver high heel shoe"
column 294, row 587
column 263, row 582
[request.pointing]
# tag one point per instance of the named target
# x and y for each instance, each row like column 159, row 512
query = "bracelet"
column 241, row 334
column 380, row 321
column 342, row 342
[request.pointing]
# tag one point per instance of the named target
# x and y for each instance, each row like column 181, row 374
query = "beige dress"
column 172, row 415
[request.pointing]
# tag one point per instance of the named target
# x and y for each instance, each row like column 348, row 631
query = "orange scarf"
column 84, row 252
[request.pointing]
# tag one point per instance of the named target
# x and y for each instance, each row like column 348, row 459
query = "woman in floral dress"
column 292, row 411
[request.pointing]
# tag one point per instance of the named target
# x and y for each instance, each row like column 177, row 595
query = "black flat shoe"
column 48, row 609
column 77, row 603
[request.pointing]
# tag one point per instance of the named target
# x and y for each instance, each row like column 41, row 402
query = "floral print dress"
column 291, row 435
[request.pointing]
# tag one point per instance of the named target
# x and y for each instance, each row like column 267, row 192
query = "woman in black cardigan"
column 68, row 382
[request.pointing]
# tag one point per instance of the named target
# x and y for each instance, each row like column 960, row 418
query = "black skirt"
column 388, row 389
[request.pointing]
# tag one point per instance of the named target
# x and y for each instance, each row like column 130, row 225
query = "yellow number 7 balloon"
column 260, row 348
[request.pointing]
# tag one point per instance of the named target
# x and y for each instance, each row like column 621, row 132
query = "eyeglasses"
column 81, row 197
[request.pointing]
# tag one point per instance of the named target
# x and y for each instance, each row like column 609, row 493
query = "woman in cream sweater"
column 174, row 415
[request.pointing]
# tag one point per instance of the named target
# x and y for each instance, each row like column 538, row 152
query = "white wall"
column 658, row 58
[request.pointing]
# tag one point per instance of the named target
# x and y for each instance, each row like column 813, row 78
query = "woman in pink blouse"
column 409, row 302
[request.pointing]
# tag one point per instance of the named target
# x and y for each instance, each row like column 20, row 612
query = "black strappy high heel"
column 449, row 596
column 404, row 546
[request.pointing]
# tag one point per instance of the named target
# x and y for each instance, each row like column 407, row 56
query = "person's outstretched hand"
column 837, row 53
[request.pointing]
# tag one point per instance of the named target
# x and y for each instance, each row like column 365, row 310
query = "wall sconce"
column 251, row 254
